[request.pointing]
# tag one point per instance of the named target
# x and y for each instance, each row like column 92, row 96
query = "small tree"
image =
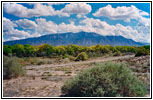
column 7, row 50
column 82, row 56
column 117, row 53
column 141, row 51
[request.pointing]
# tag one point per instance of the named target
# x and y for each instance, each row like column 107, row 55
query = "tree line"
column 46, row 50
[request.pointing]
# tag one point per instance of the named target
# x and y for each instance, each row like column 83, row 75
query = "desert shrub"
column 82, row 56
column 33, row 61
column 72, row 58
column 65, row 56
column 141, row 51
column 117, row 53
column 11, row 68
column 105, row 80
column 94, row 54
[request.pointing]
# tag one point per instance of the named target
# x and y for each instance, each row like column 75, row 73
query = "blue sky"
column 24, row 20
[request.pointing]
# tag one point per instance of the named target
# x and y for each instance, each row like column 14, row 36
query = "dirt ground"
column 47, row 80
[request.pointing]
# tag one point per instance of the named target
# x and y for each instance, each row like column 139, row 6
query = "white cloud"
column 45, row 27
column 101, row 27
column 46, row 10
column 15, row 9
column 11, row 33
column 92, row 25
column 8, row 25
column 55, row 3
column 140, row 34
column 21, row 11
column 63, row 28
column 122, row 13
column 26, row 24
column 77, row 8
column 17, row 33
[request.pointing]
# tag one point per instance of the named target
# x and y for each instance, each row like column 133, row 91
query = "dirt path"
column 47, row 80
column 79, row 62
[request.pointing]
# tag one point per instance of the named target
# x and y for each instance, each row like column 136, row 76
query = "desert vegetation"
column 105, row 80
column 12, row 68
column 50, row 51
column 76, row 71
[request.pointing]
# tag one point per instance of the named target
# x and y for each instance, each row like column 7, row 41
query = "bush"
column 72, row 58
column 105, row 80
column 141, row 51
column 65, row 56
column 117, row 53
column 6, row 50
column 11, row 68
column 82, row 56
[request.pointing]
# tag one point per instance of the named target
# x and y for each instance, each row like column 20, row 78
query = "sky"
column 25, row 20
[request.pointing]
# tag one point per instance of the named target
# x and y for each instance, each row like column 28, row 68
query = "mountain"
column 81, row 38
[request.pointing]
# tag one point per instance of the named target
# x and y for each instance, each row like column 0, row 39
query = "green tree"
column 30, row 51
column 141, row 51
column 7, row 50
column 60, row 50
column 18, row 50
column 46, row 50
column 70, row 50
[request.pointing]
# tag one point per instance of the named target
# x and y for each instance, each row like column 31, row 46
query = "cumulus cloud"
column 21, row 11
column 123, row 13
column 93, row 25
column 103, row 28
column 55, row 3
column 46, row 10
column 11, row 33
column 77, row 8
column 8, row 25
column 63, row 28
column 45, row 27
column 17, row 33
column 140, row 33
column 26, row 24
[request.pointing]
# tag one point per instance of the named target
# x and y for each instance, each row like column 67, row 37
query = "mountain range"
column 80, row 38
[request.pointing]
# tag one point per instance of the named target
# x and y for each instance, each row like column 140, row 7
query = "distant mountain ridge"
column 80, row 38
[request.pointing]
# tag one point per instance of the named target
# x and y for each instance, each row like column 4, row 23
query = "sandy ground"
column 47, row 80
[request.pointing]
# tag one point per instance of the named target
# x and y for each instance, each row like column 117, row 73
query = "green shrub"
column 82, row 56
column 141, row 51
column 11, row 68
column 6, row 50
column 72, row 58
column 65, row 56
column 117, row 53
column 105, row 80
